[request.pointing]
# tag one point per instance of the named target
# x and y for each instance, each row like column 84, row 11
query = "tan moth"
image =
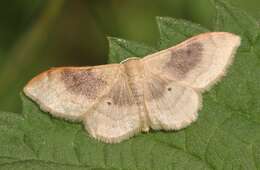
column 160, row 91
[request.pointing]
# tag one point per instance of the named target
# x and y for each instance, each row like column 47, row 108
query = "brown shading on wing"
column 116, row 117
column 197, row 62
column 169, row 105
column 182, row 61
column 83, row 82
column 69, row 92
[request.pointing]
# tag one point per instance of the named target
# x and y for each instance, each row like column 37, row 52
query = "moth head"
column 130, row 59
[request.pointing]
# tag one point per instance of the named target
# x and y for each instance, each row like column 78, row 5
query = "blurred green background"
column 37, row 35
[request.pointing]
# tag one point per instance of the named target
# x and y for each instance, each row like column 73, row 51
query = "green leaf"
column 226, row 135
column 173, row 31
column 234, row 20
column 122, row 49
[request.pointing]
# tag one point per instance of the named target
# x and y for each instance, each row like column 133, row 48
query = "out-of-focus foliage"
column 37, row 35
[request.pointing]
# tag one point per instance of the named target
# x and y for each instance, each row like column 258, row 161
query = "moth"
column 160, row 91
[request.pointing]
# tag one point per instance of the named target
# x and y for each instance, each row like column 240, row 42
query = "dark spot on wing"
column 120, row 94
column 82, row 82
column 157, row 87
column 184, row 60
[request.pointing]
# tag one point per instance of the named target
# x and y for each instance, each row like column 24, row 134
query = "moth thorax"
column 133, row 67
column 135, row 71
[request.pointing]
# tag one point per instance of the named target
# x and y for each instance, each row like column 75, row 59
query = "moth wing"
column 116, row 116
column 197, row 62
column 169, row 105
column 69, row 92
